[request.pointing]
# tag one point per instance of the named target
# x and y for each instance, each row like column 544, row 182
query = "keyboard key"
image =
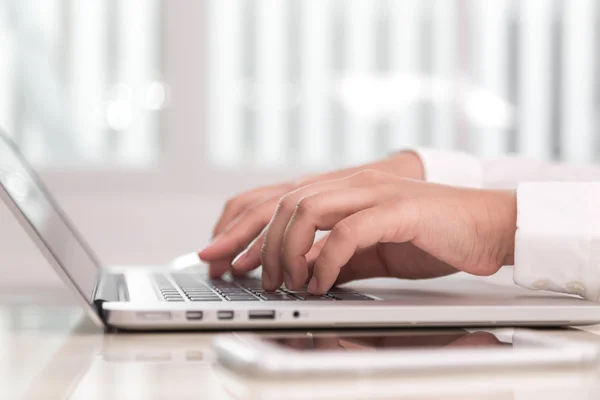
column 318, row 298
column 196, row 296
column 277, row 297
column 249, row 283
column 196, row 299
column 242, row 299
column 232, row 290
column 306, row 296
column 240, row 296
column 220, row 282
column 198, row 291
column 352, row 296
column 300, row 294
column 335, row 291
column 175, row 299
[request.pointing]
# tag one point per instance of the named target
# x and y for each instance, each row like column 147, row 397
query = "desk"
column 49, row 350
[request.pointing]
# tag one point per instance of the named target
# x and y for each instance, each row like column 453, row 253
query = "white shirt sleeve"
column 557, row 244
column 507, row 172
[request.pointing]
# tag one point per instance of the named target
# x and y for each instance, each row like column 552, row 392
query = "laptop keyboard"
column 187, row 287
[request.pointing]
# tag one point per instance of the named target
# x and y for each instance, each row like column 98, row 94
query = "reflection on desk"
column 50, row 351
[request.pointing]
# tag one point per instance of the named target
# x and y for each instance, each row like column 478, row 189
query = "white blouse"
column 558, row 215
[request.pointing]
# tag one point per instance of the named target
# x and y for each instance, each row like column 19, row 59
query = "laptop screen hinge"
column 111, row 287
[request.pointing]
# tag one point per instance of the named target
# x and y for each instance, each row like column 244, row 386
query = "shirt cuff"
column 557, row 245
column 451, row 168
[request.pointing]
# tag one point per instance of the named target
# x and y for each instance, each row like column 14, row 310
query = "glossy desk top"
column 49, row 350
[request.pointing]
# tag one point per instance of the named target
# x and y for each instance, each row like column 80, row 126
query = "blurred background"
column 143, row 116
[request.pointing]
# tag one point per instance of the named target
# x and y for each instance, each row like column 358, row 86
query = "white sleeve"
column 557, row 245
column 451, row 168
column 507, row 172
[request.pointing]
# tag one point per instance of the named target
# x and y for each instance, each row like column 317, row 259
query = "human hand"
column 384, row 226
column 242, row 222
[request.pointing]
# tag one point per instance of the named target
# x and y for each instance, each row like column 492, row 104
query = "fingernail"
column 312, row 285
column 239, row 259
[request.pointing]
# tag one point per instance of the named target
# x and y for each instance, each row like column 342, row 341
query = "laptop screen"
column 46, row 218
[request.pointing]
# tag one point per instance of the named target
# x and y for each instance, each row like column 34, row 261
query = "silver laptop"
column 163, row 299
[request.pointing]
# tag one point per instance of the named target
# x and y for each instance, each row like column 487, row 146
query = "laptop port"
column 154, row 315
column 261, row 314
column 194, row 315
column 225, row 314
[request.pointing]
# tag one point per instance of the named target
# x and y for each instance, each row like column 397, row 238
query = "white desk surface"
column 49, row 350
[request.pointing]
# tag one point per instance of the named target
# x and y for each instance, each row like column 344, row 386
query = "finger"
column 270, row 254
column 235, row 273
column 217, row 268
column 477, row 339
column 314, row 251
column 270, row 257
column 249, row 259
column 327, row 342
column 241, row 232
column 311, row 257
column 389, row 222
column 322, row 212
column 234, row 207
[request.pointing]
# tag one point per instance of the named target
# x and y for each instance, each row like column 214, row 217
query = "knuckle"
column 287, row 203
column 307, row 206
column 370, row 174
column 342, row 231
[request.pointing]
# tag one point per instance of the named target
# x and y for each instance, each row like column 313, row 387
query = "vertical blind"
column 316, row 82
column 81, row 80
column 307, row 82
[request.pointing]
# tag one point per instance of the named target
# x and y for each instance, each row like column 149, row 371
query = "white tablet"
column 406, row 351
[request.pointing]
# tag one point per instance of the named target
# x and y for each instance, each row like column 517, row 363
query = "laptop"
column 170, row 299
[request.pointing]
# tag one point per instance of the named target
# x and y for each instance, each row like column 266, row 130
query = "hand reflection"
column 461, row 339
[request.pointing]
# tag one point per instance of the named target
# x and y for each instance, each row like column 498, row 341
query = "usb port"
column 225, row 314
column 194, row 315
column 261, row 314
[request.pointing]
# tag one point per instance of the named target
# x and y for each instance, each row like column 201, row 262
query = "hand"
column 245, row 217
column 384, row 226
column 395, row 341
